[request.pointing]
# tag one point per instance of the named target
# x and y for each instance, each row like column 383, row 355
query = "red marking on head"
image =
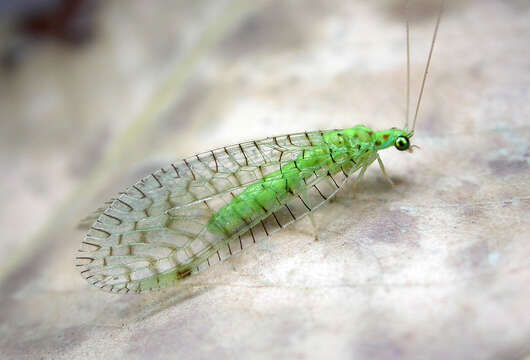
column 378, row 143
column 370, row 133
column 385, row 137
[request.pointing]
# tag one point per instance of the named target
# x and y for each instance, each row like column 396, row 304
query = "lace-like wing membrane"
column 155, row 233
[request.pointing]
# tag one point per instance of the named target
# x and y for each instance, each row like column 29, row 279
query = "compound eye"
column 402, row 143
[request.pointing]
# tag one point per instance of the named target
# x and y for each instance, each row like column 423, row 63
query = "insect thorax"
column 361, row 139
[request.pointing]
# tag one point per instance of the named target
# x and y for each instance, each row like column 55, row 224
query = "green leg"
column 359, row 178
column 315, row 226
column 356, row 181
column 384, row 171
column 306, row 199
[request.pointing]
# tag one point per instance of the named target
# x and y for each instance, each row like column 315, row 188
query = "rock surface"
column 436, row 267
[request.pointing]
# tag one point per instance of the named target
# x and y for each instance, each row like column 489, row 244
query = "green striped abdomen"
column 270, row 192
column 357, row 144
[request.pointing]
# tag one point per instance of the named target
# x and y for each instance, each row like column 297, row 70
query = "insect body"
column 171, row 223
column 340, row 150
column 189, row 215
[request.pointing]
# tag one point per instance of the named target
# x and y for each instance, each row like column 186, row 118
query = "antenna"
column 428, row 63
column 407, row 115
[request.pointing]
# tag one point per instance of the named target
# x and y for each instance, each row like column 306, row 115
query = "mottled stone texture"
column 436, row 267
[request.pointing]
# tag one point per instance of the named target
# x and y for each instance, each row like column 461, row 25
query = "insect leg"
column 315, row 226
column 307, row 200
column 359, row 178
column 384, row 171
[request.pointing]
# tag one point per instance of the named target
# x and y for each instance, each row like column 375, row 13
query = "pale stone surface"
column 435, row 268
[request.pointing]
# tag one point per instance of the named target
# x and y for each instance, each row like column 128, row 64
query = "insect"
column 191, row 214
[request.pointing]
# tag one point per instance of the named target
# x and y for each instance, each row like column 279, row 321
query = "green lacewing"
column 194, row 213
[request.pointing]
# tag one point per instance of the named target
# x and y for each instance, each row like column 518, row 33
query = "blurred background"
column 96, row 94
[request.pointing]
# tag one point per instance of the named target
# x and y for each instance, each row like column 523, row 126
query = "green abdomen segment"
column 340, row 150
column 274, row 190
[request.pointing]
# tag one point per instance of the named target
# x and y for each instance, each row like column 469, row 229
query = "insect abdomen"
column 269, row 193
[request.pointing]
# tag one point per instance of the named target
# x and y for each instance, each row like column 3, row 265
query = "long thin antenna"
column 408, row 74
column 428, row 63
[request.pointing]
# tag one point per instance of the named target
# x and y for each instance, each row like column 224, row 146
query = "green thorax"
column 363, row 138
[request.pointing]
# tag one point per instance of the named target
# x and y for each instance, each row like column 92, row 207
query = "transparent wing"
column 154, row 234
